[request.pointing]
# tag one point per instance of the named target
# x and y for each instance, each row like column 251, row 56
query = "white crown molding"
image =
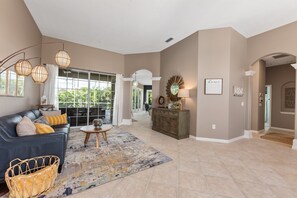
column 156, row 78
column 249, row 73
column 128, row 79
column 294, row 65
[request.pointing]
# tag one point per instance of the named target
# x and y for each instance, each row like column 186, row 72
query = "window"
column 11, row 84
column 85, row 96
column 149, row 97
column 136, row 99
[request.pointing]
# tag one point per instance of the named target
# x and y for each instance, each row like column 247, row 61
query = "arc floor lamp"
column 39, row 74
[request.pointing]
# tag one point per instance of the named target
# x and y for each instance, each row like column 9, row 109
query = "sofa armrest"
column 31, row 146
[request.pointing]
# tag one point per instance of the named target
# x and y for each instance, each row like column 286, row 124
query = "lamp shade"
column 23, row 67
column 183, row 93
column 62, row 58
column 39, row 74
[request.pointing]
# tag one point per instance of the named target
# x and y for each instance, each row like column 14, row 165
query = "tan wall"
column 258, row 85
column 238, row 65
column 149, row 61
column 282, row 39
column 278, row 76
column 213, row 62
column 181, row 59
column 18, row 30
column 135, row 62
column 84, row 57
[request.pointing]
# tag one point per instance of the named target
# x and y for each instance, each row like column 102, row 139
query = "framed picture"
column 213, row 86
column 237, row 91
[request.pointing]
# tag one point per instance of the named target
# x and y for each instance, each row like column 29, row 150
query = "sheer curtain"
column 49, row 88
column 118, row 101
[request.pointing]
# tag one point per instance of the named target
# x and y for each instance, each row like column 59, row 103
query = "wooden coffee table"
column 88, row 130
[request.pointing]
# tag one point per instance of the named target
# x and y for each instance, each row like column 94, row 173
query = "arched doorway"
column 272, row 97
column 141, row 96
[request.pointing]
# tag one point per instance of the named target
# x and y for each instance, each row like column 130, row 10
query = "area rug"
column 285, row 138
column 87, row 167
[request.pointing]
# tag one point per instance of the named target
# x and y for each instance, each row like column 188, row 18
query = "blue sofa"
column 12, row 146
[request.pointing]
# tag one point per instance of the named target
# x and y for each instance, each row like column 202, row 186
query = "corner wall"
column 221, row 54
column 18, row 30
column 181, row 59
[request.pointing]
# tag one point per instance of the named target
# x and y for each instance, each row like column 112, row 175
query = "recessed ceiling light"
column 168, row 40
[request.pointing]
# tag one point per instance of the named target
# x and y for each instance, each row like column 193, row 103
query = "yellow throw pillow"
column 56, row 120
column 43, row 128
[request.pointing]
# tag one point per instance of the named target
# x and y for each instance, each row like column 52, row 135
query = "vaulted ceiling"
column 138, row 26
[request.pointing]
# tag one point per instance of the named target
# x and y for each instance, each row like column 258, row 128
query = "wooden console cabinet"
column 175, row 123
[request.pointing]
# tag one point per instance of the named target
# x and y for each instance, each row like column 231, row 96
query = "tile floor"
column 252, row 168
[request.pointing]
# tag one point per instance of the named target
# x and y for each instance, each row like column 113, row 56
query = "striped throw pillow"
column 43, row 128
column 56, row 120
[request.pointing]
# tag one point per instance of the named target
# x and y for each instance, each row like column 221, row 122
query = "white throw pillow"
column 25, row 127
column 51, row 113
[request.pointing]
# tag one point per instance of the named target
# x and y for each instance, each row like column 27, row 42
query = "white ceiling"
column 138, row 26
column 279, row 59
column 143, row 76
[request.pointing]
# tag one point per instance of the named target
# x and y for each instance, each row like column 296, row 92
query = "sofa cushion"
column 37, row 113
column 41, row 120
column 57, row 120
column 8, row 124
column 28, row 114
column 43, row 128
column 25, row 127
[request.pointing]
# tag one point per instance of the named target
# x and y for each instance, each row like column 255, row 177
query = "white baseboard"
column 248, row 134
column 283, row 129
column 217, row 140
column 294, row 146
column 126, row 122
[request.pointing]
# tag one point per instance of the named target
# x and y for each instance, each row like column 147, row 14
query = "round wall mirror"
column 173, row 85
column 174, row 88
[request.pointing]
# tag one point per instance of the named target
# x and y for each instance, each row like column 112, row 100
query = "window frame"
column 6, row 89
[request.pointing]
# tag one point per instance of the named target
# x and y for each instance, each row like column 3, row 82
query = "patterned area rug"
column 87, row 167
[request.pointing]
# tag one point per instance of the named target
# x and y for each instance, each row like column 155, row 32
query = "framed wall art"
column 213, row 86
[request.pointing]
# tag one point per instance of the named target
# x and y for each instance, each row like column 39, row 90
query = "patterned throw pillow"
column 43, row 128
column 57, row 120
column 41, row 120
column 25, row 127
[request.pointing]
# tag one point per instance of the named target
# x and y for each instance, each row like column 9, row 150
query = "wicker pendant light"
column 23, row 67
column 62, row 58
column 39, row 74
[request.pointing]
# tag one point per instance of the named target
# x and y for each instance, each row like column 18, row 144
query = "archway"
column 141, row 96
column 271, row 106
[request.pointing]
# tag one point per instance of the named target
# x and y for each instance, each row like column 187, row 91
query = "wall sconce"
column 23, row 67
column 183, row 94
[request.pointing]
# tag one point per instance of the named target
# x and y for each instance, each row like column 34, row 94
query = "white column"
column 155, row 90
column 294, row 146
column 248, row 131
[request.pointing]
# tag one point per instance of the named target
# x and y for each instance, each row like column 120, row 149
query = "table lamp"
column 183, row 94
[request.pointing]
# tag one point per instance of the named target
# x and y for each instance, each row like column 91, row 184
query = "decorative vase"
column 97, row 123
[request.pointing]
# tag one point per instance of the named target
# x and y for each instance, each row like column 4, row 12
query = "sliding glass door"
column 85, row 96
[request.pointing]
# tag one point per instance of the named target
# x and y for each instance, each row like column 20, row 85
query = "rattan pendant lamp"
column 39, row 73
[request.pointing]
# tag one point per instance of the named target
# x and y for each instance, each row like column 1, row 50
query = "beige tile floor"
column 252, row 168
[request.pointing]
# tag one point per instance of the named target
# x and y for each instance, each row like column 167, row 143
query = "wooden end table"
column 88, row 130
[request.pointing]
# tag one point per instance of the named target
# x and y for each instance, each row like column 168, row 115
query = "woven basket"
column 31, row 177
